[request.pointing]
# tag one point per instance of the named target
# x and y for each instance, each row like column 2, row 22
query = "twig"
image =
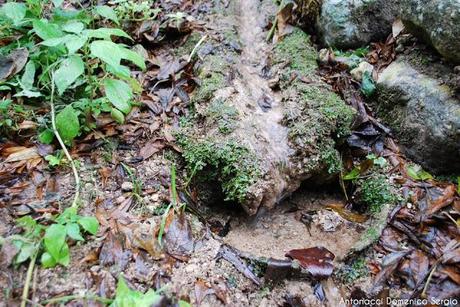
column 195, row 48
column 77, row 297
column 64, row 148
column 429, row 279
column 30, row 270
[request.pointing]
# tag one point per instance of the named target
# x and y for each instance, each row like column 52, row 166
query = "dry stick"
column 64, row 148
column 196, row 47
column 425, row 288
column 30, row 270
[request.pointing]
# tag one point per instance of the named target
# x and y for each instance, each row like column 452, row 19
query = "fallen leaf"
column 347, row 214
column 397, row 27
column 23, row 154
column 13, row 63
column 178, row 238
column 151, row 147
column 315, row 260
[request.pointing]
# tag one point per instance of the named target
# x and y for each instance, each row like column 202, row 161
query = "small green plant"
column 375, row 192
column 351, row 272
column 417, row 173
column 136, row 182
column 367, row 84
column 50, row 242
column 125, row 297
column 87, row 68
column 225, row 115
column 131, row 10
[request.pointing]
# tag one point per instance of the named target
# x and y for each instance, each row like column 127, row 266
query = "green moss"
column 224, row 114
column 353, row 271
column 210, row 84
column 298, row 49
column 375, row 191
column 233, row 165
column 189, row 44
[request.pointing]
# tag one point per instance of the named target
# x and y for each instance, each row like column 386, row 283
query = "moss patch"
column 375, row 191
column 224, row 114
column 233, row 165
column 321, row 117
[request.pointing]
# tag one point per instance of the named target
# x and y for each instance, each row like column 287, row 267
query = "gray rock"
column 435, row 21
column 423, row 112
column 355, row 23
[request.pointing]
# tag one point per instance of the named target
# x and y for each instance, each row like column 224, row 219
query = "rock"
column 437, row 22
column 127, row 186
column 423, row 112
column 359, row 71
column 258, row 146
column 354, row 23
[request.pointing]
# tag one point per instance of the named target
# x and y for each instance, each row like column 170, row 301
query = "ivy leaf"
column 367, row 85
column 107, row 51
column 69, row 70
column 14, row 11
column 89, row 224
column 46, row 30
column 47, row 260
column 73, row 231
column 67, row 124
column 119, row 94
column 107, row 12
column 54, row 240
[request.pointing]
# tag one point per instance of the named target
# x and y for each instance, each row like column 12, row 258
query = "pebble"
column 359, row 71
column 127, row 186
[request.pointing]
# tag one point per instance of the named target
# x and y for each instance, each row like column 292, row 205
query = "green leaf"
column 64, row 256
column 184, row 304
column 367, row 85
column 458, row 185
column 69, row 70
column 26, row 252
column 14, row 11
column 107, row 12
column 119, row 94
column 134, row 57
column 412, row 172
column 89, row 224
column 117, row 116
column 73, row 231
column 75, row 42
column 107, row 51
column 27, row 79
column 57, row 3
column 106, row 33
column 354, row 174
column 54, row 240
column 424, row 175
column 46, row 30
column 125, row 297
column 67, row 124
column 74, row 27
column 47, row 260
column 46, row 136
column 53, row 160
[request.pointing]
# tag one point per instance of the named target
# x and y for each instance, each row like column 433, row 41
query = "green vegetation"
column 322, row 116
column 50, row 242
column 64, row 50
column 224, row 114
column 375, row 191
column 233, row 165
column 352, row 272
column 210, row 84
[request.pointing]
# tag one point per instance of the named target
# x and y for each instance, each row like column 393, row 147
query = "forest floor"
column 215, row 254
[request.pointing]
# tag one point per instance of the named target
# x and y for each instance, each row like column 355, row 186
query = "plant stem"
column 66, row 298
column 64, row 148
column 195, row 48
column 30, row 270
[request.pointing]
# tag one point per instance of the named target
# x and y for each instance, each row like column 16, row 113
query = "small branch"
column 195, row 48
column 64, row 148
column 30, row 270
column 425, row 288
column 63, row 299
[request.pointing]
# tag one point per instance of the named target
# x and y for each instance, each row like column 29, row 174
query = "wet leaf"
column 178, row 238
column 347, row 214
column 13, row 63
column 151, row 147
column 315, row 260
column 445, row 199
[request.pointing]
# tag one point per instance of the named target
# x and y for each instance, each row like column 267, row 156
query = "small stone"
column 359, row 71
column 127, row 186
column 457, row 69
